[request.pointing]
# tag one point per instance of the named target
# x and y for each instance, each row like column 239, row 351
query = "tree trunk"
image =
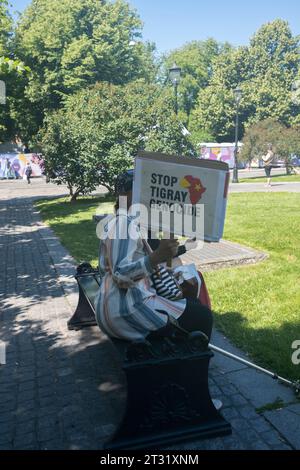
column 74, row 194
column 73, row 197
column 70, row 189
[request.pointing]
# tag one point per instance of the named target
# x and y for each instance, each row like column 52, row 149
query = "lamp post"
column 174, row 74
column 238, row 97
column 2, row 92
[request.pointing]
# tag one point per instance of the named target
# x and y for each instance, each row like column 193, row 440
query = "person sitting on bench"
column 127, row 306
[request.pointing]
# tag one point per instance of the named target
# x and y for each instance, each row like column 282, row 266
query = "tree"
column 258, row 137
column 285, row 141
column 5, row 27
column 288, row 144
column 99, row 131
column 12, row 73
column 215, row 109
column 264, row 70
column 195, row 60
column 71, row 44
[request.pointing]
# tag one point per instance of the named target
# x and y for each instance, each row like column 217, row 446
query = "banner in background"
column 220, row 152
column 12, row 165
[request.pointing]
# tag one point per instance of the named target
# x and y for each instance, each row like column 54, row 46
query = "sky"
column 172, row 23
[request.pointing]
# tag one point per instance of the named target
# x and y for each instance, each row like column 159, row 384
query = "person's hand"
column 167, row 250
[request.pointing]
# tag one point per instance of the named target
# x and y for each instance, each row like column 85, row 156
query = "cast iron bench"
column 168, row 398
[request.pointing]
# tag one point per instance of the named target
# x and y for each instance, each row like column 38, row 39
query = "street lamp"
column 237, row 96
column 2, row 92
column 174, row 74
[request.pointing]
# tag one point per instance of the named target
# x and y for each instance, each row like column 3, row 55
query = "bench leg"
column 168, row 402
column 84, row 315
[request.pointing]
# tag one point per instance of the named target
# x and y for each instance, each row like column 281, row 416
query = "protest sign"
column 191, row 188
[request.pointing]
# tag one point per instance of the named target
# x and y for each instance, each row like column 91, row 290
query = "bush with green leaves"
column 100, row 130
column 285, row 141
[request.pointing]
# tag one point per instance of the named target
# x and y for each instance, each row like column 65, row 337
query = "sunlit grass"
column 74, row 225
column 258, row 306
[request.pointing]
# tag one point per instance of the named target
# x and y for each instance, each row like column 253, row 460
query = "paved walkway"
column 18, row 189
column 258, row 172
column 52, row 375
column 210, row 256
column 279, row 187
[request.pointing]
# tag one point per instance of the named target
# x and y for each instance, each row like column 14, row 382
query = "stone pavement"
column 257, row 172
column 210, row 256
column 20, row 189
column 39, row 188
column 64, row 390
column 277, row 187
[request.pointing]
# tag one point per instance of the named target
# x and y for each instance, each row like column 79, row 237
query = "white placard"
column 197, row 188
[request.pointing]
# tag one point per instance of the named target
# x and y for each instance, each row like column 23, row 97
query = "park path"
column 57, row 388
column 15, row 189
column 276, row 187
column 64, row 390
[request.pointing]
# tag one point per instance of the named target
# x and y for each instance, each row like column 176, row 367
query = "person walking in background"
column 6, row 169
column 8, row 175
column 268, row 160
column 15, row 168
column 28, row 172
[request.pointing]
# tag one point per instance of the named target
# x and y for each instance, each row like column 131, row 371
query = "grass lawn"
column 276, row 178
column 73, row 223
column 257, row 306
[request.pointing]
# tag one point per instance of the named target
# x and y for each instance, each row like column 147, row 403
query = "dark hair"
column 124, row 182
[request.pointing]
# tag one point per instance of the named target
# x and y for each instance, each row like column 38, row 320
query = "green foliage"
column 12, row 73
column 70, row 44
column 285, row 141
column 5, row 27
column 74, row 225
column 198, row 136
column 258, row 137
column 99, row 131
column 287, row 144
column 264, row 71
column 62, row 47
column 215, row 113
column 195, row 60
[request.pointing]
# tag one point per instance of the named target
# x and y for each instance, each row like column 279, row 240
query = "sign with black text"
column 193, row 192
